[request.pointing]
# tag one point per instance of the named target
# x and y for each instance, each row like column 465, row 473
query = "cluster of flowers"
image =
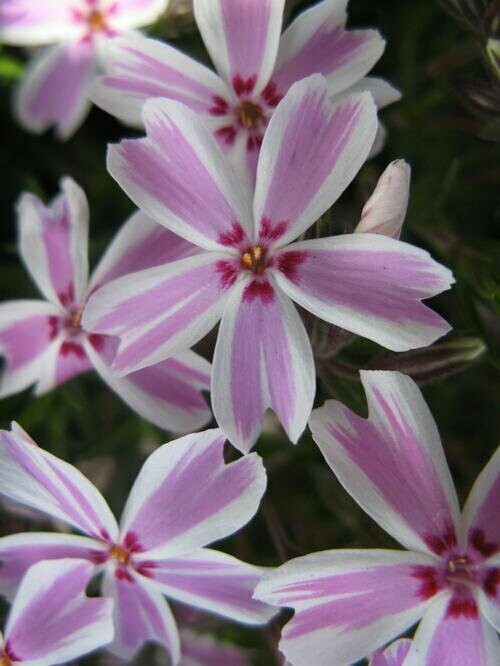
column 232, row 171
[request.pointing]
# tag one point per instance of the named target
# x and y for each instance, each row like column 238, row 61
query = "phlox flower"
column 44, row 341
column 184, row 498
column 255, row 68
column 350, row 602
column 51, row 620
column 249, row 270
column 54, row 90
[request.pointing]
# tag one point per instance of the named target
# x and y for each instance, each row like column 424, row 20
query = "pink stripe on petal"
column 37, row 479
column 71, row 361
column 51, row 620
column 54, row 91
column 214, row 582
column 28, row 23
column 393, row 463
column 393, row 655
column 262, row 359
column 153, row 172
column 312, row 150
column 141, row 614
column 370, row 285
column 166, row 514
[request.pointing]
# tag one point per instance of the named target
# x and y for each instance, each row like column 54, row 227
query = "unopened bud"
column 385, row 210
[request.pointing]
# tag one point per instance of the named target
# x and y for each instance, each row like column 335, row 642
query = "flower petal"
column 480, row 514
column 54, row 243
column 393, row 655
column 140, row 68
column 28, row 23
column 262, row 359
column 168, row 515
column 141, row 614
column 341, row 601
column 383, row 92
column 37, row 479
column 214, row 582
column 168, row 394
column 25, row 342
column 369, row 285
column 242, row 38
column 316, row 42
column 54, row 90
column 65, row 360
column 19, row 552
column 445, row 640
column 51, row 620
column 208, row 208
column 385, row 210
column 311, row 151
column 161, row 311
column 392, row 463
column 489, row 594
column 140, row 243
column 127, row 14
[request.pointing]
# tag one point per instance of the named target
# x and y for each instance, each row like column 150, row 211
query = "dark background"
column 438, row 62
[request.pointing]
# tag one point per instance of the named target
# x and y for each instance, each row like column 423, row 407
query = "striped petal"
column 26, row 341
column 140, row 243
column 168, row 394
column 214, row 582
column 369, row 285
column 262, row 359
column 341, row 602
column 54, row 243
column 393, row 655
column 317, row 42
column 140, row 68
column 37, row 479
column 127, row 14
column 51, row 620
column 28, row 23
column 444, row 640
column 55, row 89
column 19, row 552
column 208, row 208
column 242, row 37
column 169, row 516
column 160, row 311
column 141, row 614
column 392, row 463
column 311, row 151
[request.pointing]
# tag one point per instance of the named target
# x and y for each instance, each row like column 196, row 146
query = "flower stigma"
column 249, row 114
column 119, row 554
column 254, row 259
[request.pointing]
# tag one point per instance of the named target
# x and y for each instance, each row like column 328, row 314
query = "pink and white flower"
column 255, row 68
column 184, row 498
column 44, row 341
column 350, row 602
column 55, row 89
column 249, row 271
column 51, row 620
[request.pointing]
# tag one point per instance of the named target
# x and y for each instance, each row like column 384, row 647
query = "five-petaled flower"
column 51, row 620
column 255, row 65
column 184, row 497
column 249, row 271
column 44, row 341
column 56, row 87
column 350, row 602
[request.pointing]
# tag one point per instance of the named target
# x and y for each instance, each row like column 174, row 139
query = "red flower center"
column 255, row 259
column 249, row 114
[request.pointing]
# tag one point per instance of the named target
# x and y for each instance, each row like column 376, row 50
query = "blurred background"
column 445, row 58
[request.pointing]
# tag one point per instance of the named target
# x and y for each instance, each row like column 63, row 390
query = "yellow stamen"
column 254, row 259
column 96, row 20
column 249, row 114
column 120, row 554
column 5, row 661
column 247, row 260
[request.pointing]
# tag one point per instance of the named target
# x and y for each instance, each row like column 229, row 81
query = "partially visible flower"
column 255, row 66
column 249, row 271
column 350, row 602
column 51, row 620
column 55, row 88
column 45, row 342
column 184, row 498
column 393, row 655
column 385, row 210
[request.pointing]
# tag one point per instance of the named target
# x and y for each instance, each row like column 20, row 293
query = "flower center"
column 249, row 114
column 460, row 571
column 4, row 660
column 72, row 323
column 119, row 554
column 254, row 259
column 96, row 20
